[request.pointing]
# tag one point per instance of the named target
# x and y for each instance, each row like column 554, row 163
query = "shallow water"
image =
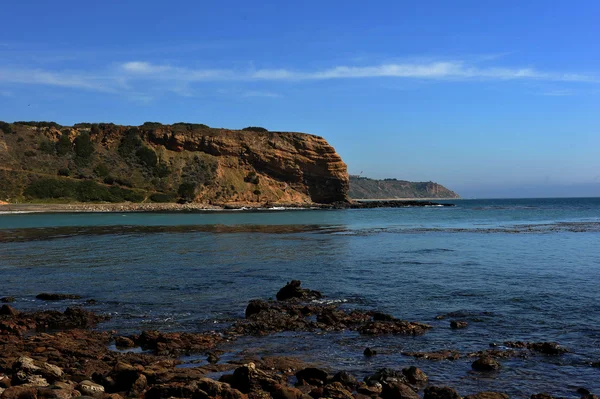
column 532, row 265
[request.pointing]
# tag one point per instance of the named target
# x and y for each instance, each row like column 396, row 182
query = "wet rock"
column 548, row 348
column 436, row 356
column 485, row 363
column 398, row 390
column 293, row 290
column 312, row 375
column 346, row 379
column 370, row 390
column 124, row 342
column 415, row 375
column 56, row 297
column 500, row 353
column 399, row 327
column 170, row 344
column 6, row 310
column 457, row 324
column 248, row 378
column 596, row 364
column 280, row 391
column 5, row 382
column 21, row 392
column 212, row 358
column 256, row 306
column 378, row 316
column 583, row 391
column 7, row 299
column 90, row 388
column 434, row 392
column 122, row 377
column 488, row 395
column 336, row 390
column 368, row 352
column 55, row 393
column 385, row 376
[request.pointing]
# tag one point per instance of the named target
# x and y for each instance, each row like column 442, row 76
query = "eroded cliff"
column 165, row 163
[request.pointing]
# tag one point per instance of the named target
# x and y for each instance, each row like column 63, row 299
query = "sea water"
column 524, row 269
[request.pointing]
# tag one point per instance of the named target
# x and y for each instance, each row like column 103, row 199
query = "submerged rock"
column 415, row 375
column 548, row 348
column 56, row 297
column 485, row 363
column 488, row 395
column 368, row 352
column 456, row 324
column 436, row 356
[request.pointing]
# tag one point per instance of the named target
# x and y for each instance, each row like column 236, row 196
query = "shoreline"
column 10, row 208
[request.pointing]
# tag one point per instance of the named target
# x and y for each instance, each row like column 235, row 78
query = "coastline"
column 8, row 208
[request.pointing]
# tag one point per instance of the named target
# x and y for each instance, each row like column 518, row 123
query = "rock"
column 7, row 299
column 385, row 376
column 370, row 390
column 596, row 364
column 433, row 392
column 542, row 395
column 397, row 390
column 29, row 371
column 488, row 395
column 5, row 382
column 56, row 297
column 485, row 363
column 378, row 316
column 548, row 348
column 90, row 388
column 124, row 342
column 256, row 306
column 293, row 290
column 400, row 327
column 346, row 379
column 415, row 375
column 312, row 375
column 123, row 377
column 21, row 392
column 368, row 352
column 284, row 392
column 336, row 390
column 583, row 391
column 456, row 324
column 440, row 355
column 6, row 310
column 54, row 393
column 212, row 358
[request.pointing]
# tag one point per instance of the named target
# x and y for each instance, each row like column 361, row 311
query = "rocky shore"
column 60, row 355
column 201, row 207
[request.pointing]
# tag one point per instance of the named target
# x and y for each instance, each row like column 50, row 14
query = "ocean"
column 516, row 270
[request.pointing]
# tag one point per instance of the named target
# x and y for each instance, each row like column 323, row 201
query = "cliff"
column 166, row 163
column 365, row 188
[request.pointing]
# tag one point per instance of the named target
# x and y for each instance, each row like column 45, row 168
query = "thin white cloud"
column 134, row 76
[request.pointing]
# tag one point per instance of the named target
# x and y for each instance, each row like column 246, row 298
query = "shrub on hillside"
column 84, row 148
column 46, row 146
column 64, row 172
column 163, row 197
column 6, row 127
column 162, row 170
column 255, row 129
column 187, row 191
column 39, row 124
column 146, row 156
column 64, row 145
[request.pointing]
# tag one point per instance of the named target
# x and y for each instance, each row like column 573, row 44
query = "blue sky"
column 490, row 98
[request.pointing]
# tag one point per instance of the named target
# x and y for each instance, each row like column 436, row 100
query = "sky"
column 489, row 98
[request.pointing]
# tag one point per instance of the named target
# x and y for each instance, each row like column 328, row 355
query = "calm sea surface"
column 518, row 269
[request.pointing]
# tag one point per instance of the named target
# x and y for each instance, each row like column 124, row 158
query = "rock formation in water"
column 166, row 163
column 365, row 188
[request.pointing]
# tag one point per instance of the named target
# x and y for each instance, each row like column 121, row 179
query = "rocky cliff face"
column 364, row 188
column 167, row 162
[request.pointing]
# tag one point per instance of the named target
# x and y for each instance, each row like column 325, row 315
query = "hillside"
column 43, row 161
column 365, row 188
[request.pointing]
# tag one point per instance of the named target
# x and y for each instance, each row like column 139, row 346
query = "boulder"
column 346, row 379
column 415, row 375
column 433, row 392
column 293, row 290
column 6, row 310
column 22, row 392
column 336, row 390
column 7, row 299
column 456, row 324
column 90, row 388
column 368, row 352
column 398, row 390
column 32, row 372
column 312, row 375
column 256, row 306
column 485, row 363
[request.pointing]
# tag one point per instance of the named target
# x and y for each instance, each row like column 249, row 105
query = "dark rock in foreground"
column 485, row 363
